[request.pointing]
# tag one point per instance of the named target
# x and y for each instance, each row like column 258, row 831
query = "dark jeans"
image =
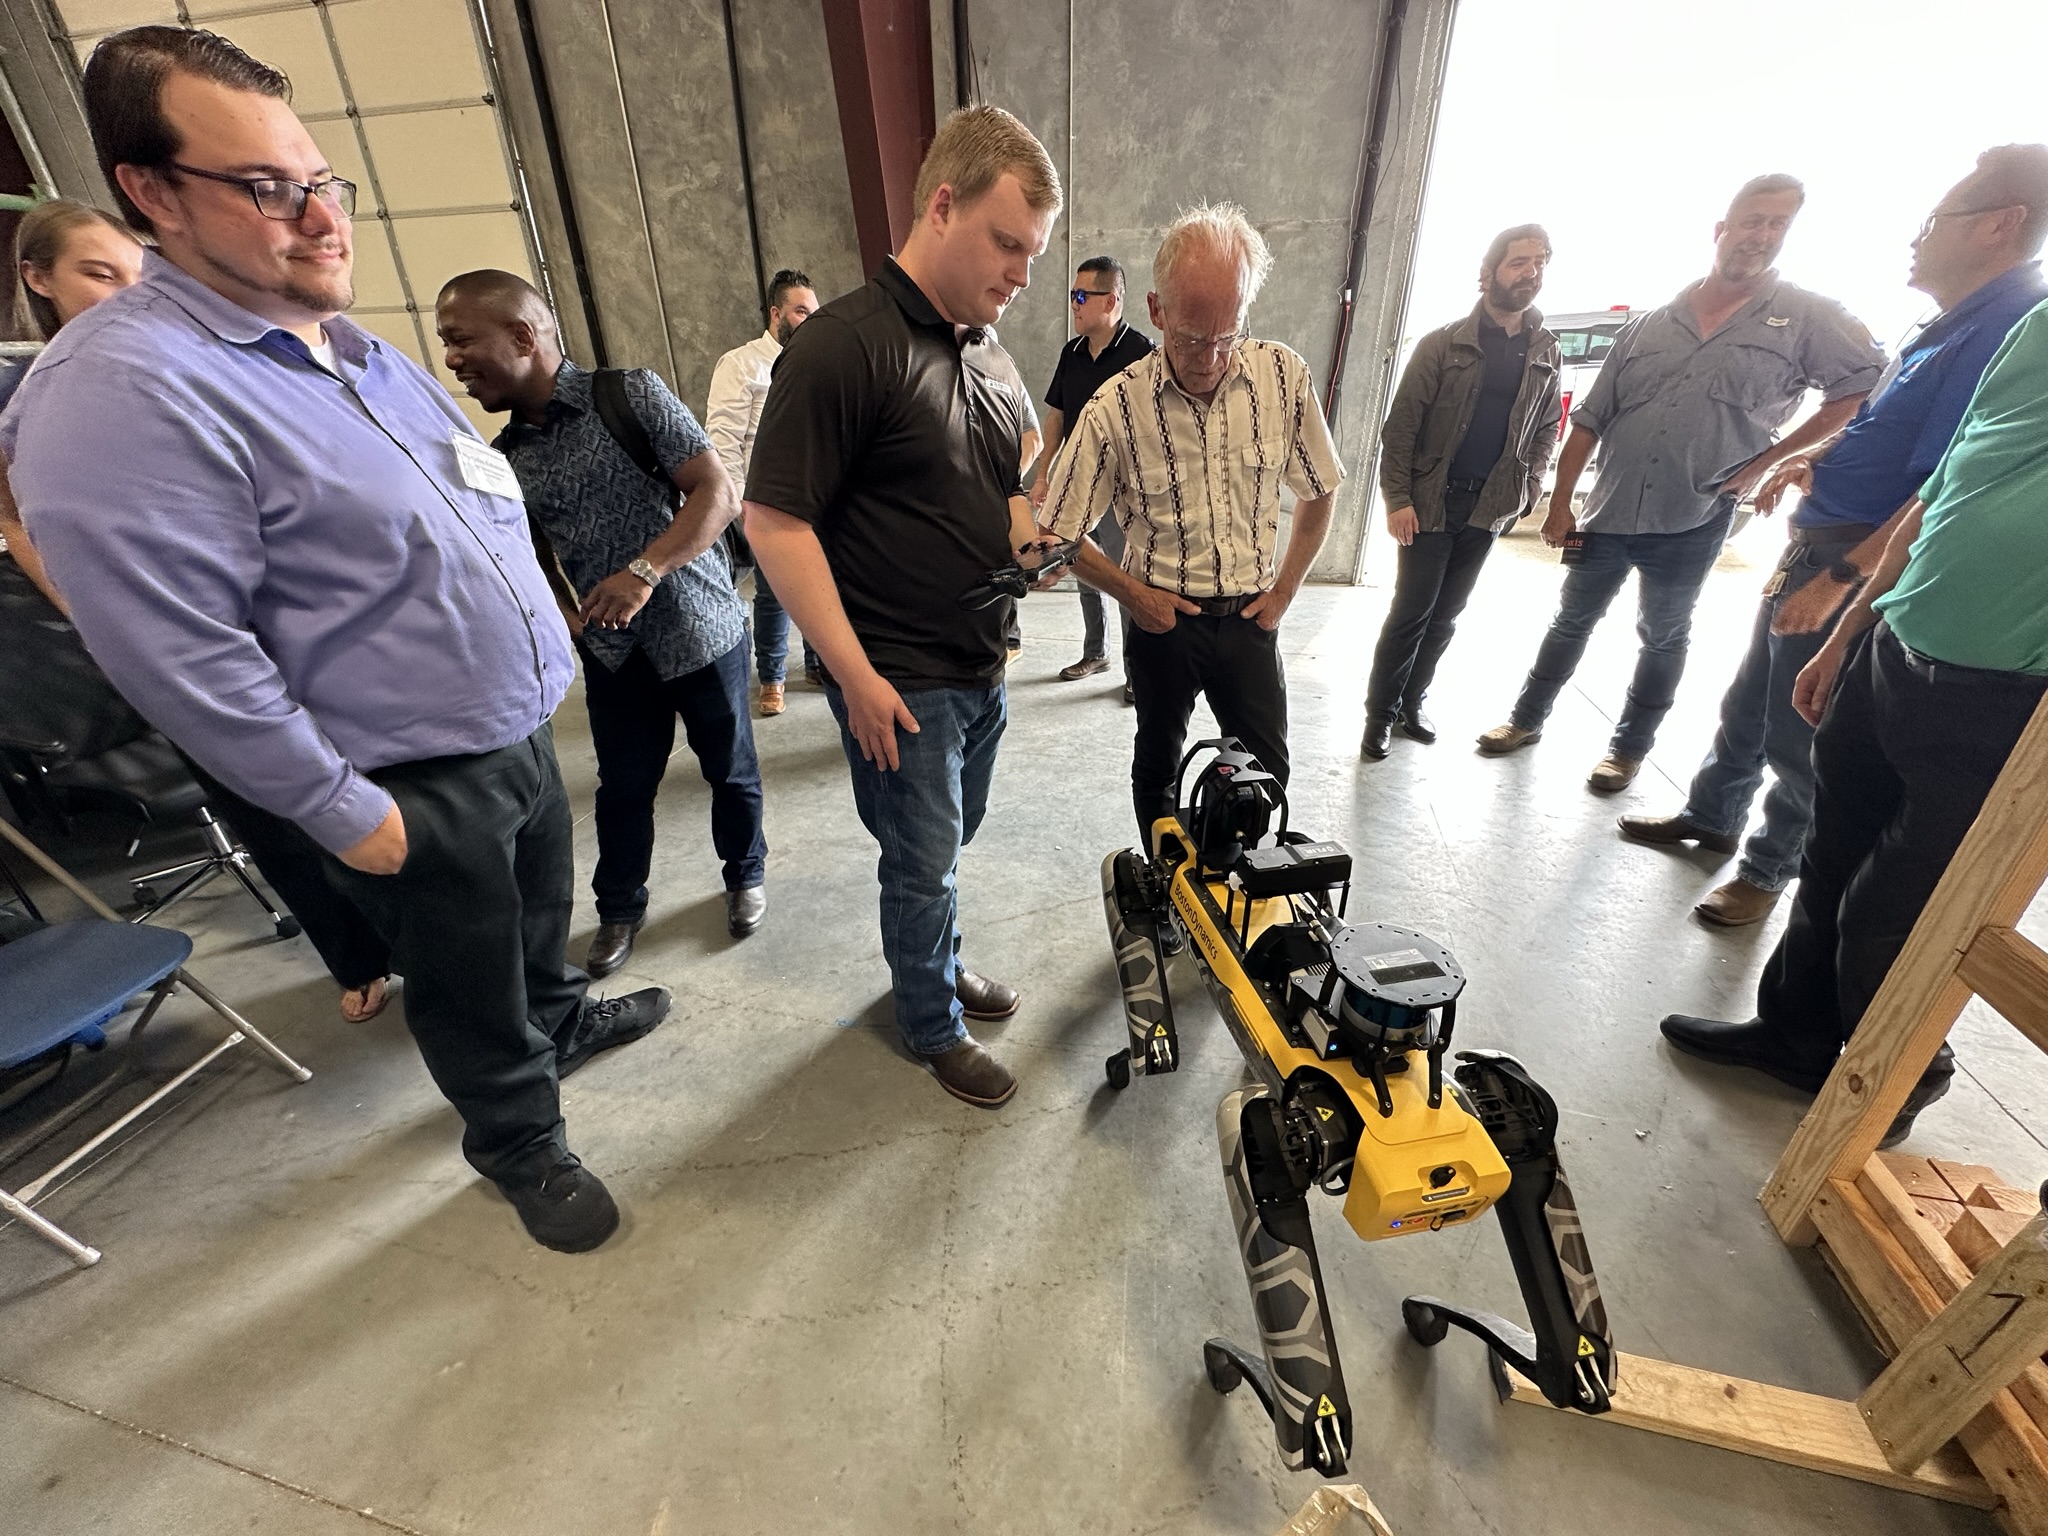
column 771, row 635
column 633, row 727
column 1760, row 728
column 1671, row 567
column 478, row 924
column 1232, row 660
column 1433, row 579
column 1903, row 759
column 296, row 867
column 1109, row 538
column 922, row 813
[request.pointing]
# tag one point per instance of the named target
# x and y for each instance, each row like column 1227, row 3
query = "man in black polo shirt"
column 885, row 483
column 1103, row 347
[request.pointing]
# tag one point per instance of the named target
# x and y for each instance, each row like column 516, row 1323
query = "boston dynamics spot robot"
column 1346, row 1027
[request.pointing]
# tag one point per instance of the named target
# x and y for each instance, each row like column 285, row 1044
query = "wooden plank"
column 1949, row 1372
column 2009, row 1449
column 2011, row 974
column 1981, row 1233
column 1942, row 1215
column 1990, row 881
column 1821, row 1434
column 1946, row 1274
column 2003, row 1197
column 1965, row 1178
column 1917, row 1177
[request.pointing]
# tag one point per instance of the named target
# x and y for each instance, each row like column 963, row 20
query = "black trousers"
column 296, row 867
column 1235, row 663
column 478, row 924
column 1433, row 580
column 633, row 715
column 1903, row 760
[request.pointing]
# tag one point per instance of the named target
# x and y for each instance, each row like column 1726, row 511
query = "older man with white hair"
column 1189, row 448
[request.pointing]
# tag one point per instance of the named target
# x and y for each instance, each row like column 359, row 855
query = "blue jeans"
column 1759, row 729
column 771, row 635
column 923, row 813
column 1672, row 568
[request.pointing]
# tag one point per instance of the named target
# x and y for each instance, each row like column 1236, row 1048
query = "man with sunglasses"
column 303, row 562
column 1190, row 448
column 1103, row 347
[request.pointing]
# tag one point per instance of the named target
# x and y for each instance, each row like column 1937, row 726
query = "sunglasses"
column 1081, row 296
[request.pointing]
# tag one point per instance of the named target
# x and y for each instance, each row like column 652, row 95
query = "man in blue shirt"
column 1983, row 275
column 284, row 542
column 663, row 632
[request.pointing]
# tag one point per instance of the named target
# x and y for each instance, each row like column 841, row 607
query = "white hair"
column 1219, row 228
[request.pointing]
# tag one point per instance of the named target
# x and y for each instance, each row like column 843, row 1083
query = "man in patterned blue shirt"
column 660, row 627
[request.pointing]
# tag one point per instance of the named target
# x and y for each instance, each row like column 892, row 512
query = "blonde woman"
column 68, row 257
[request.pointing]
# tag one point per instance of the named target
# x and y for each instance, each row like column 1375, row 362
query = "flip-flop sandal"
column 383, row 985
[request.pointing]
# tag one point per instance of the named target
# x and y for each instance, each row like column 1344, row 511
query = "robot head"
column 1232, row 804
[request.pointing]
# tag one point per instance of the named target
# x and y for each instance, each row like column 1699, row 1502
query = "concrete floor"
column 843, row 1302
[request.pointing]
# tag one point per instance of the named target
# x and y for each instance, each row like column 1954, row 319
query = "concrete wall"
column 643, row 95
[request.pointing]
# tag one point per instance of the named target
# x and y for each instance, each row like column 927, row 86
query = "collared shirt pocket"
column 1757, row 375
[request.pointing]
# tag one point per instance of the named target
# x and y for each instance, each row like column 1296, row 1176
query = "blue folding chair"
column 59, row 986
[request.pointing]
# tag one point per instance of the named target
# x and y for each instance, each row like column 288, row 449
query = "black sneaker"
column 610, row 1022
column 568, row 1209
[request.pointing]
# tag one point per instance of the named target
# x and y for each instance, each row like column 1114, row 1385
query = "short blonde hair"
column 972, row 150
column 1221, row 228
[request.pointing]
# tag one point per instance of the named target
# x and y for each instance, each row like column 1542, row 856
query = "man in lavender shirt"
column 285, row 544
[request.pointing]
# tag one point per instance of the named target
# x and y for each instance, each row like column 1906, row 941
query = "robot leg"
column 1300, row 1381
column 1135, row 905
column 1569, row 1354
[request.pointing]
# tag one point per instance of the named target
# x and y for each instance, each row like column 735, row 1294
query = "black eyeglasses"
column 1083, row 295
column 285, row 201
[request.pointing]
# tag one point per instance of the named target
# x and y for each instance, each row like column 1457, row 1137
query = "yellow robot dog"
column 1346, row 1027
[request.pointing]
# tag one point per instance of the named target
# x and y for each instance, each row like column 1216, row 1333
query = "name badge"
column 485, row 469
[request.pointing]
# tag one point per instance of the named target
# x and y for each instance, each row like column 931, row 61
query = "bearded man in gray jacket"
column 1467, row 442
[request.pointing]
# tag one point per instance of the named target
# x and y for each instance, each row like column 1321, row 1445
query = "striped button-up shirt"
column 1196, row 488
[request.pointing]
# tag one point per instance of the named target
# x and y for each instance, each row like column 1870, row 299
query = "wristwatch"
column 642, row 567
column 1845, row 572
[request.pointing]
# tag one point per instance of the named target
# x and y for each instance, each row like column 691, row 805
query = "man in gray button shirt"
column 1684, row 412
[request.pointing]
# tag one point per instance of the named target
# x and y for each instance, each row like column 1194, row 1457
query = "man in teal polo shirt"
column 1927, row 681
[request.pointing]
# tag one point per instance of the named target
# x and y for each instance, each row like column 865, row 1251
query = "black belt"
column 1469, row 483
column 1950, row 672
column 1846, row 534
column 1222, row 607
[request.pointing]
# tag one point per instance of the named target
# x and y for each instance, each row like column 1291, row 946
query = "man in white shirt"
column 739, row 385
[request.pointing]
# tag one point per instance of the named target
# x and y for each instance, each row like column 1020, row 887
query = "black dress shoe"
column 1417, row 726
column 745, row 909
column 1740, row 1045
column 1932, row 1085
column 567, row 1208
column 609, row 1022
column 610, row 946
column 1379, row 739
column 982, row 998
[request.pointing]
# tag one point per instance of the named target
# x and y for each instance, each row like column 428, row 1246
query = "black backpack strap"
column 615, row 410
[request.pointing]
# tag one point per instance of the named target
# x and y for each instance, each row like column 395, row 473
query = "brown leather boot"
column 981, row 998
column 772, row 702
column 1612, row 773
column 1665, row 830
column 1737, row 904
column 971, row 1075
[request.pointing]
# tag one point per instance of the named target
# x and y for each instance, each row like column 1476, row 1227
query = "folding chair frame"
column 17, row 1204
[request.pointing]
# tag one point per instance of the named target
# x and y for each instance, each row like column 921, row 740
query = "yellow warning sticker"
column 1325, row 1407
column 1326, row 1112
column 1585, row 1346
column 1159, row 1033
